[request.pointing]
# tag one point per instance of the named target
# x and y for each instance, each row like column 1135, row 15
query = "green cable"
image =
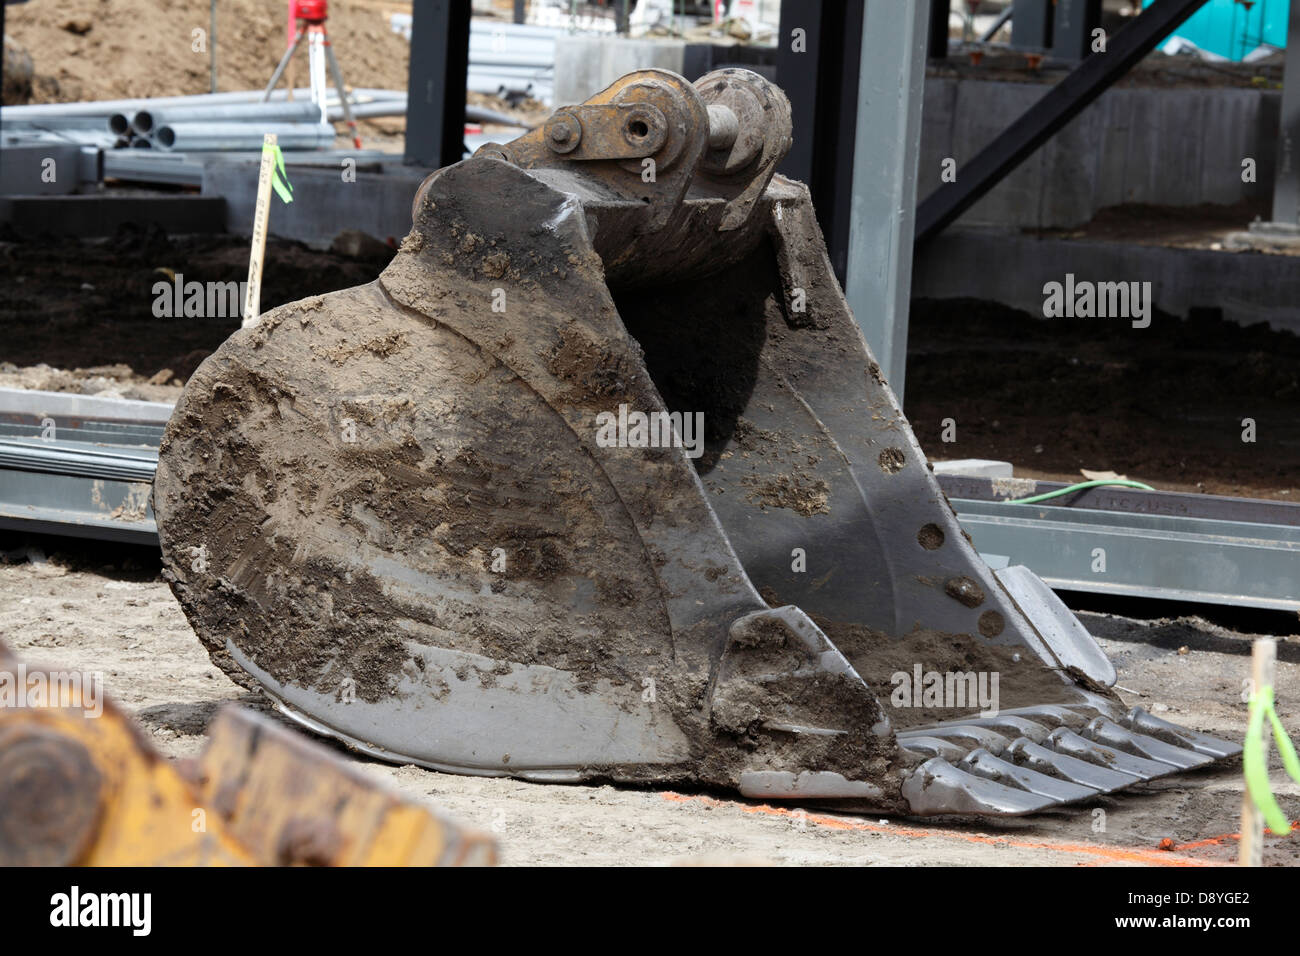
column 1255, row 767
column 1034, row 499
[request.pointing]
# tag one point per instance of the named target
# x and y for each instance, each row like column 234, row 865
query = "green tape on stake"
column 279, row 176
column 1255, row 767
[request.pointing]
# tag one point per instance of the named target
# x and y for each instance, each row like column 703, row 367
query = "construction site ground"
column 104, row 609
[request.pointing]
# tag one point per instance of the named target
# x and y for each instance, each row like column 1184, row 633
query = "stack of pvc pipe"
column 506, row 59
column 205, row 121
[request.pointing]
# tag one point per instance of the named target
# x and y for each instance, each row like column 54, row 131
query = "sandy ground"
column 90, row 49
column 88, row 607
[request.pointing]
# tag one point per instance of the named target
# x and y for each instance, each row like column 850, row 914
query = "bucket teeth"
column 1107, row 732
column 1050, row 762
column 938, row 787
column 1139, row 720
column 1011, row 726
column 1059, row 754
column 1049, row 715
column 970, row 735
column 924, row 745
column 984, row 764
column 1076, row 745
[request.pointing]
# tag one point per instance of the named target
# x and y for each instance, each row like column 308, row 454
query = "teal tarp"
column 1231, row 30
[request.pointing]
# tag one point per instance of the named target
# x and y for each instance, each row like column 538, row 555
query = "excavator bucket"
column 599, row 481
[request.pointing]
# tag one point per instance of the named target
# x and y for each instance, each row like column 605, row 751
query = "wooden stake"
column 253, row 297
column 1263, row 657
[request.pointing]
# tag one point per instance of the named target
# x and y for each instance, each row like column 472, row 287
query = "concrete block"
column 587, row 64
column 937, row 117
column 1235, row 122
column 1181, row 135
column 378, row 204
column 1012, row 268
column 1118, row 120
column 983, row 110
column 973, row 468
column 1069, row 170
column 49, row 169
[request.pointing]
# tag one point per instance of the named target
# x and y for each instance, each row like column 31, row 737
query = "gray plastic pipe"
column 300, row 111
column 105, row 108
column 50, row 122
column 184, row 137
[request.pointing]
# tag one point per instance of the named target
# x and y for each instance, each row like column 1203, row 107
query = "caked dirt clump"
column 888, row 665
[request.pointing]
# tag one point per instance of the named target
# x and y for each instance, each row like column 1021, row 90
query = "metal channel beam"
column 1176, row 504
column 1058, row 106
column 78, row 458
column 43, row 503
column 78, row 488
column 79, row 465
column 16, row 403
column 133, row 165
column 1158, row 556
column 854, row 74
column 1164, row 544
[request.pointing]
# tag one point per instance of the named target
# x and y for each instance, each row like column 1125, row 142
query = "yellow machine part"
column 79, row 785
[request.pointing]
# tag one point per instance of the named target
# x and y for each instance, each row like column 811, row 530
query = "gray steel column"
column 1286, row 184
column 887, row 143
column 822, row 86
column 1031, row 25
column 1072, row 24
column 435, row 90
column 939, row 11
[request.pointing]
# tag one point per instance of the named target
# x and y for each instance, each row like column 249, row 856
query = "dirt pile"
column 106, row 381
column 113, row 49
column 17, row 73
column 80, row 303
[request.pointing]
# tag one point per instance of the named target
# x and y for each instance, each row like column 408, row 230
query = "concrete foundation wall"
column 1153, row 145
column 587, row 64
column 323, row 204
column 1012, row 269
